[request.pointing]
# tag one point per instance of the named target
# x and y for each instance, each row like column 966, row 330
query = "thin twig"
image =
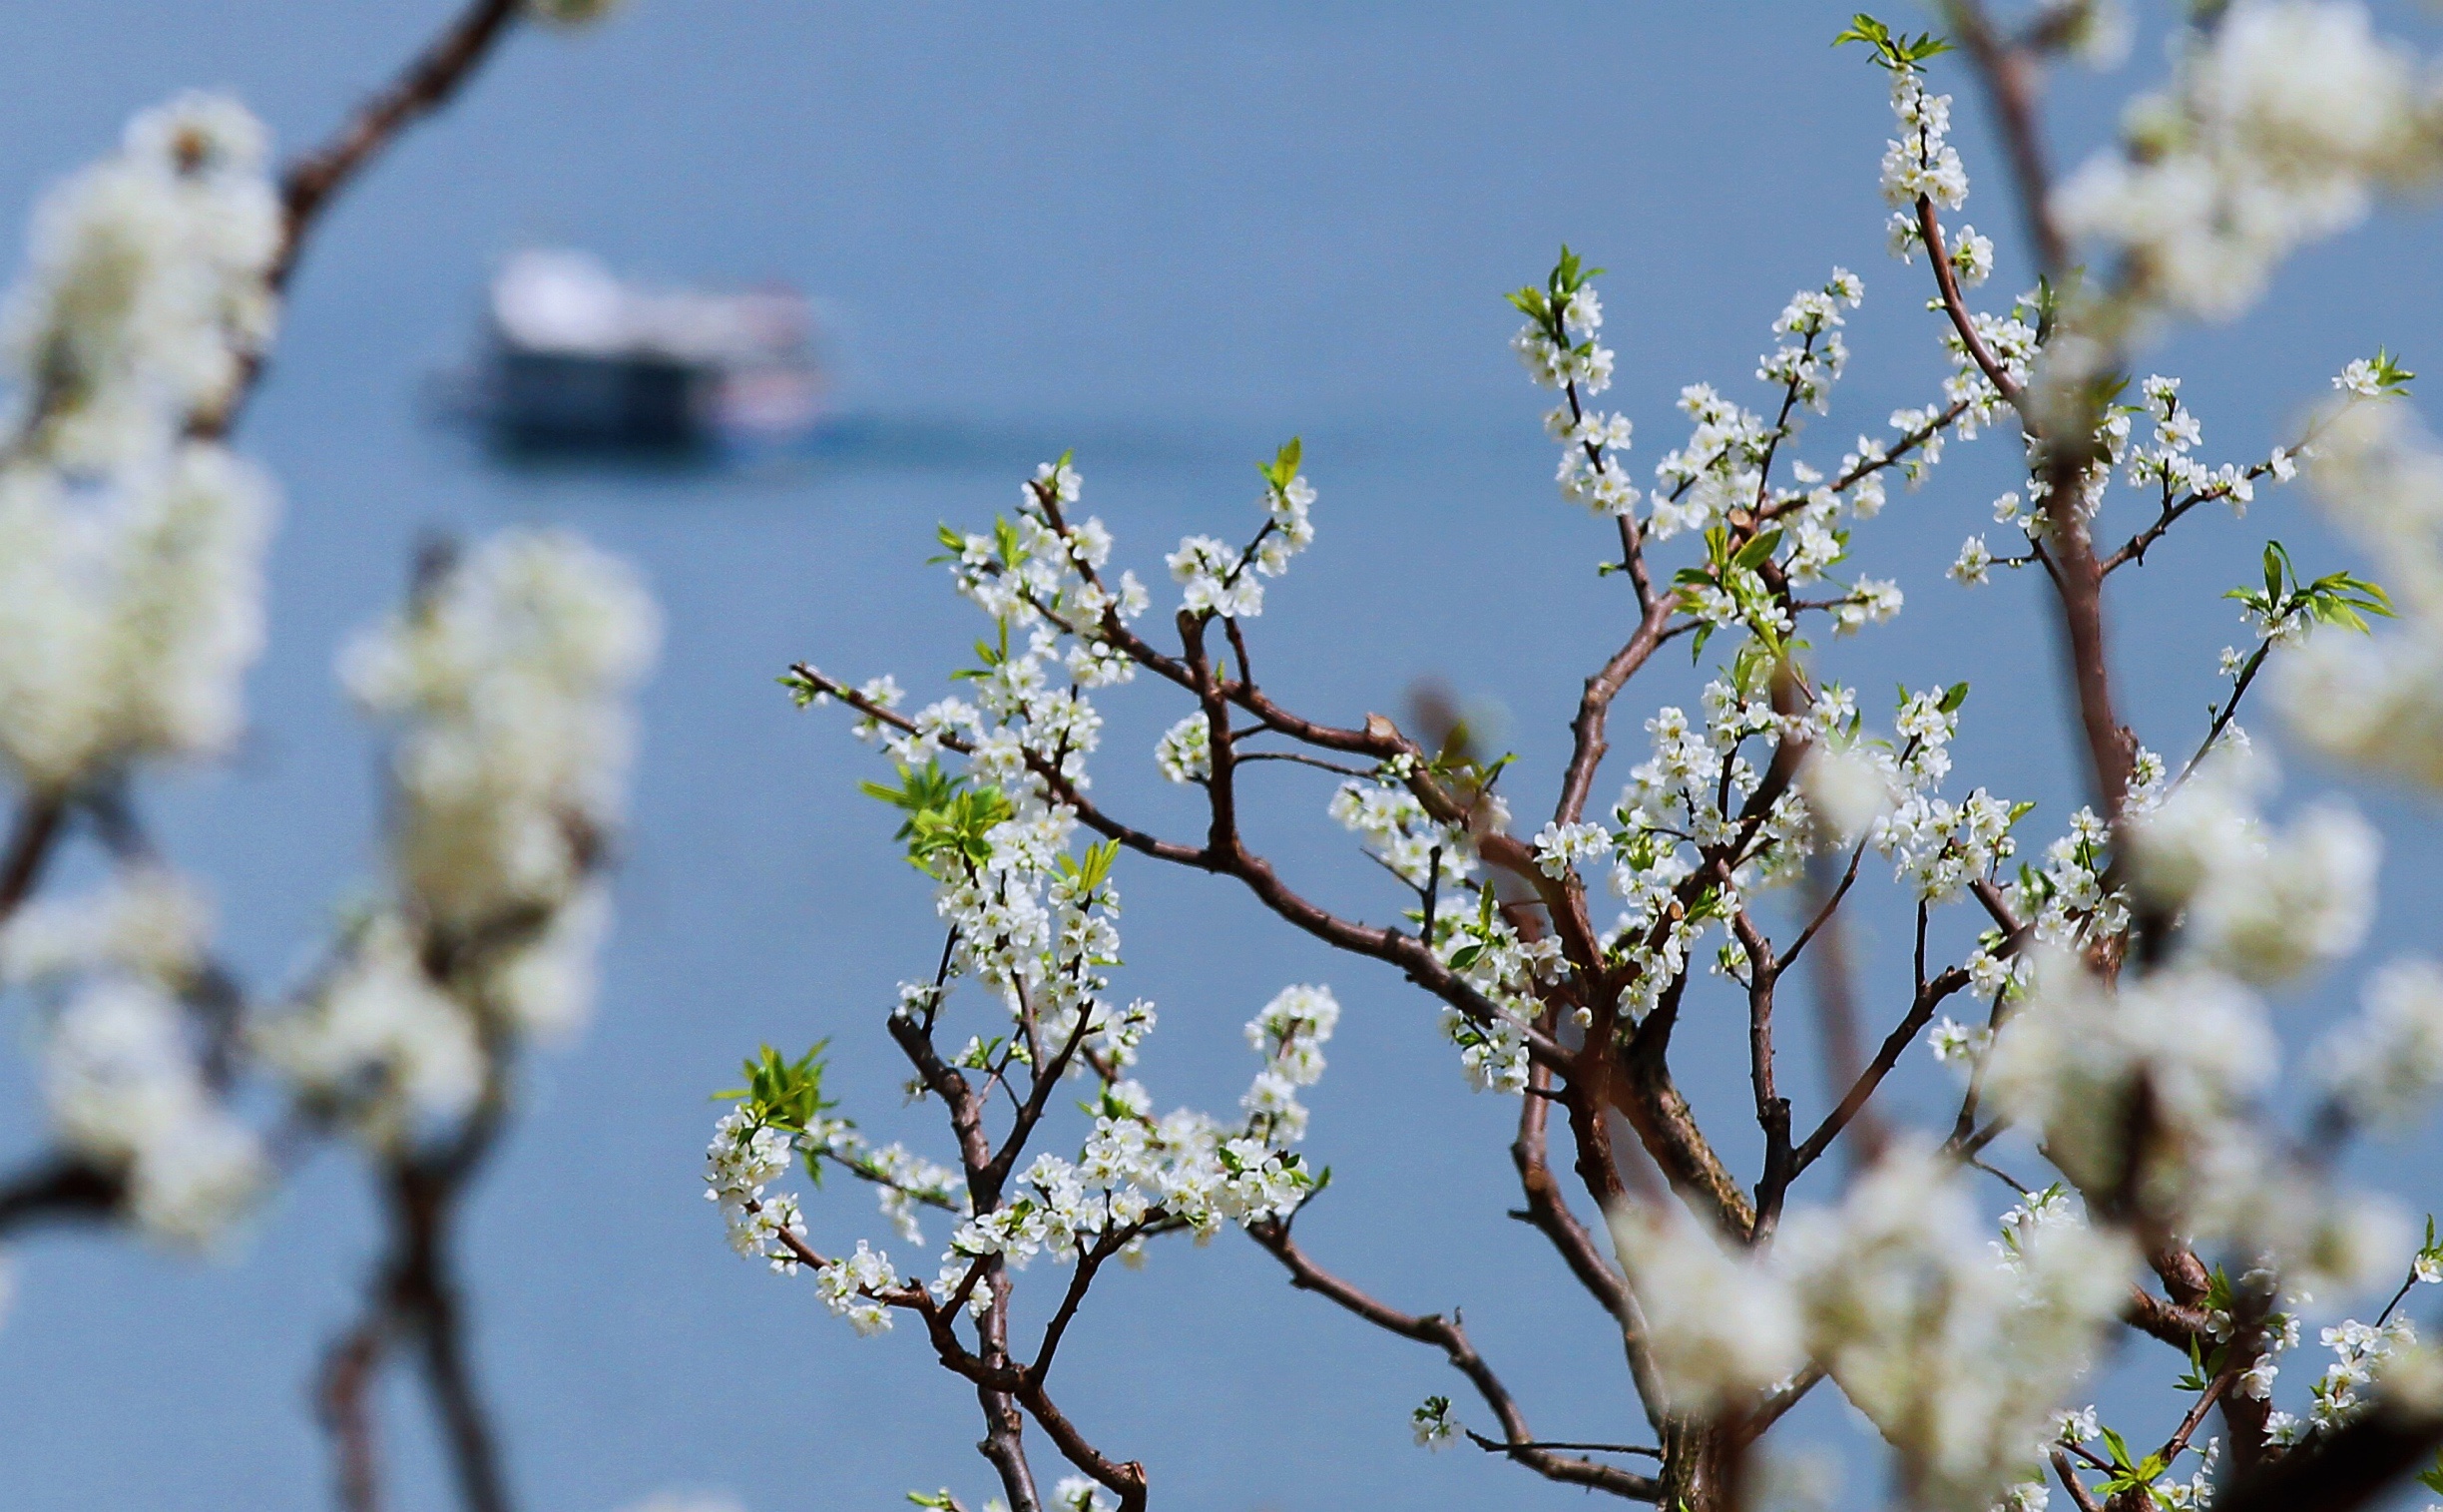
column 1448, row 1336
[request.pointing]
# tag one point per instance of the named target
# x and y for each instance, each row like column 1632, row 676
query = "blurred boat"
column 579, row 358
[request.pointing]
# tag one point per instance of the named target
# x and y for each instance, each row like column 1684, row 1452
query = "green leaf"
column 782, row 1093
column 1758, row 551
column 1465, row 957
column 802, row 690
column 1285, row 465
column 2117, row 1447
column 1094, row 868
column 1892, row 50
column 1953, row 697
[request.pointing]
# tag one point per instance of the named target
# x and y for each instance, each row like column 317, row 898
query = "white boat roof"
column 564, row 301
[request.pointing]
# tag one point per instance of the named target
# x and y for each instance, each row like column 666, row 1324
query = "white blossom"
column 124, row 1089
column 507, row 679
column 1722, row 1327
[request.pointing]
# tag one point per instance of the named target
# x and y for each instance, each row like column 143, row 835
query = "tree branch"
column 313, row 181
column 1448, row 1336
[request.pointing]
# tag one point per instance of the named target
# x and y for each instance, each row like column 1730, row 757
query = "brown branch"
column 310, row 184
column 31, row 838
column 2077, row 576
column 2079, row 1494
column 1773, row 1110
column 1920, row 1012
column 1587, row 729
column 1127, row 1478
column 60, row 1188
column 1450, row 1337
column 1548, row 1211
column 1004, row 1445
column 342, row 1403
column 2011, row 80
column 2188, row 1424
column 426, row 86
column 1088, row 1262
column 1891, row 456
column 2347, row 1468
column 2171, row 1322
column 1946, row 280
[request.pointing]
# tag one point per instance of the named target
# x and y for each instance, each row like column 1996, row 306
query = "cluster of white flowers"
column 130, row 553
column 1219, row 578
column 1808, row 366
column 2281, row 123
column 1137, row 1173
column 1937, row 847
column 1035, row 925
column 146, row 288
column 2193, row 1044
column 1289, row 1034
column 1921, row 162
column 1683, row 803
column 377, row 1039
column 1719, row 1326
column 2387, row 1065
column 2378, row 701
column 1957, row 1356
column 848, row 1287
column 124, row 1089
column 122, row 1074
column 1042, row 568
column 1075, row 1494
column 129, row 614
column 1215, row 578
column 747, row 1155
column 1486, row 951
column 1397, row 831
column 2167, row 466
column 1560, row 847
column 2261, row 904
column 148, row 921
column 2152, row 1089
column 2009, row 340
column 1584, row 364
column 1184, row 752
column 507, row 677
column 1719, row 468
column 1560, row 350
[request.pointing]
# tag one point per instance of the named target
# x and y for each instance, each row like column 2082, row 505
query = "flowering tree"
column 2101, row 1010
column 131, row 545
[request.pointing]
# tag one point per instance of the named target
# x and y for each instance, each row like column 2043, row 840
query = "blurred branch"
column 415, row 1296
column 429, row 82
column 29, row 845
column 58, row 1189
